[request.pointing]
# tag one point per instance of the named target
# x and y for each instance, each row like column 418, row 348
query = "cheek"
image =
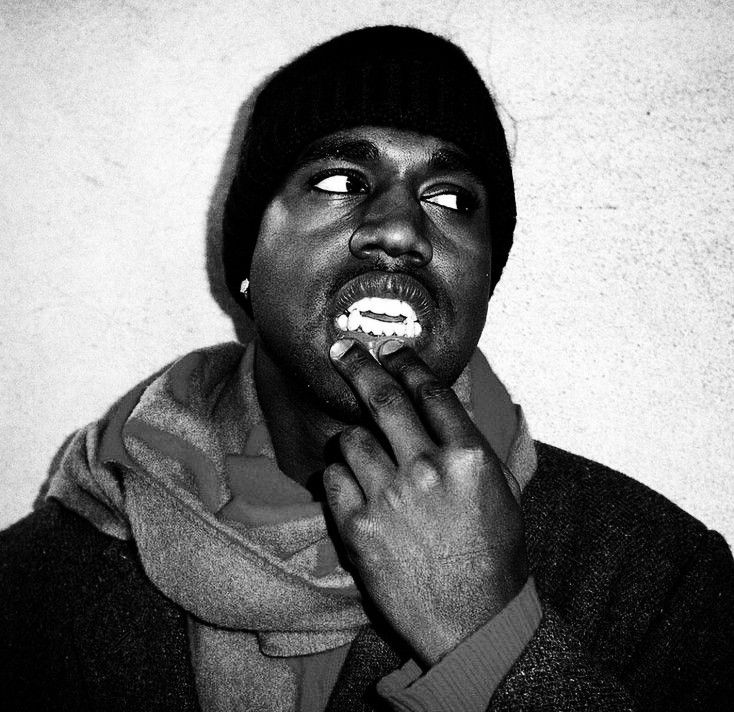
column 477, row 264
column 272, row 263
column 475, row 297
column 470, row 290
column 281, row 251
column 271, row 235
column 466, row 266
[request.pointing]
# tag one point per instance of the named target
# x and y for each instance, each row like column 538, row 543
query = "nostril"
column 395, row 239
column 419, row 259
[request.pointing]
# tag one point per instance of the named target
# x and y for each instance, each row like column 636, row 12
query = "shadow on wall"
column 52, row 468
column 243, row 325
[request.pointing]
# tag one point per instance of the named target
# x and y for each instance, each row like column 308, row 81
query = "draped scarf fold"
column 184, row 466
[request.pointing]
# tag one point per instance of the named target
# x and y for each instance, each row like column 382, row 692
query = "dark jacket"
column 638, row 602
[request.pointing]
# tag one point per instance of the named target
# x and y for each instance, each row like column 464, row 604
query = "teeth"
column 362, row 305
column 372, row 326
column 355, row 320
column 391, row 307
column 380, row 305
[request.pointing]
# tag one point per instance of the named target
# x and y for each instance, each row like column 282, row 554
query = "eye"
column 456, row 200
column 446, row 200
column 340, row 183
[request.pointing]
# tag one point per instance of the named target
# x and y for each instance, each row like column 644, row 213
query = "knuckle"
column 351, row 436
column 333, row 479
column 386, row 398
column 351, row 529
column 474, row 454
column 355, row 360
column 466, row 463
column 359, row 527
column 332, row 474
column 425, row 473
column 434, row 392
column 395, row 497
column 405, row 369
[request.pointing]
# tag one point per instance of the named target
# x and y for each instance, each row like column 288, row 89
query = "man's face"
column 376, row 233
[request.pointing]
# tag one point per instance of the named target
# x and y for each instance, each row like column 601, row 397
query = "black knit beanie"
column 393, row 76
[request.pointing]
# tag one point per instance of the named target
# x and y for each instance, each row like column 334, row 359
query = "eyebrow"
column 335, row 148
column 452, row 160
column 362, row 151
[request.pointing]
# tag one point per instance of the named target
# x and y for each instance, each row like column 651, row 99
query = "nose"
column 393, row 224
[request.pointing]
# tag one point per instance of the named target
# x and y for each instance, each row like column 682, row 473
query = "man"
column 348, row 513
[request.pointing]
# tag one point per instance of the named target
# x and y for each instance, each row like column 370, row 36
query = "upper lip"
column 396, row 285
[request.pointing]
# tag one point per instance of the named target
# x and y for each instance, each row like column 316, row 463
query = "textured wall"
column 612, row 325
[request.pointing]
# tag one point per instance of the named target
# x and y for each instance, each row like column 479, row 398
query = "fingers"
column 387, row 401
column 370, row 464
column 343, row 493
column 439, row 406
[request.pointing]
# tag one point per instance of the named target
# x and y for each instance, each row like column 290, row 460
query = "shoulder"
column 51, row 541
column 79, row 619
column 58, row 576
column 645, row 588
column 587, row 524
column 52, row 563
column 586, row 493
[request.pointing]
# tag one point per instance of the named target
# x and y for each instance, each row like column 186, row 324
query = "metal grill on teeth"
column 355, row 320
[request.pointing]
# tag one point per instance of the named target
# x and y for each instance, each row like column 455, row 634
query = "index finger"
column 387, row 400
column 437, row 403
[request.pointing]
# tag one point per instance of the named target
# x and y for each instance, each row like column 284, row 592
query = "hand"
column 428, row 520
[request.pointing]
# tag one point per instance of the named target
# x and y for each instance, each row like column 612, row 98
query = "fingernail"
column 390, row 347
column 339, row 348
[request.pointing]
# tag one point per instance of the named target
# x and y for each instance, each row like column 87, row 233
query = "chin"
column 319, row 385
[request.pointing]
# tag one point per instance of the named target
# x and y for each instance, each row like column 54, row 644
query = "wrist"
column 433, row 640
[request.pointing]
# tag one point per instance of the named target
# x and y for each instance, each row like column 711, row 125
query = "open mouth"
column 377, row 306
column 380, row 316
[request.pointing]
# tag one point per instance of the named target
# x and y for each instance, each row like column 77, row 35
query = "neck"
column 301, row 433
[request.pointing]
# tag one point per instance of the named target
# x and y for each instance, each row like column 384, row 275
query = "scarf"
column 184, row 466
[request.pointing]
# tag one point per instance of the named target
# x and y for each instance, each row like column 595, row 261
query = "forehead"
column 375, row 144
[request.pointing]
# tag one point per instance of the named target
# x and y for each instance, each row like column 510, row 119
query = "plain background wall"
column 612, row 325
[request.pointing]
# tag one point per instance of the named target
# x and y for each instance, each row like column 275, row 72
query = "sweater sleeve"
column 466, row 678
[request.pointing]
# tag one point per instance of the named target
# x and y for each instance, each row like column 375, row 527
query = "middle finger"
column 387, row 401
